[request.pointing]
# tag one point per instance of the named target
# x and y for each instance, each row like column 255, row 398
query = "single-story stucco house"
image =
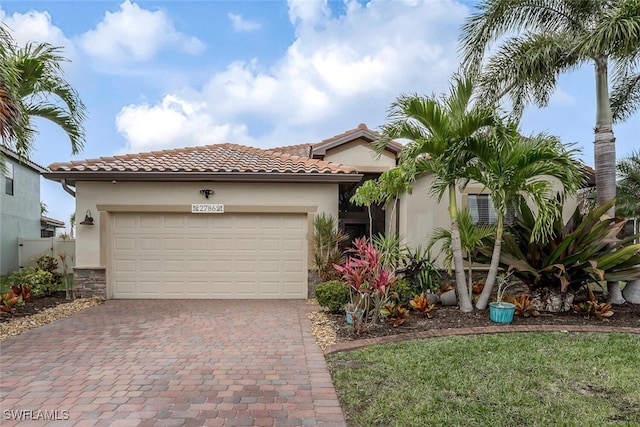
column 230, row 221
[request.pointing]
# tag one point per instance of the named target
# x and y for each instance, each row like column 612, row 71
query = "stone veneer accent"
column 90, row 281
column 313, row 280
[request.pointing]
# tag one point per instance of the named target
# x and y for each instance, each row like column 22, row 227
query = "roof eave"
column 321, row 148
column 72, row 177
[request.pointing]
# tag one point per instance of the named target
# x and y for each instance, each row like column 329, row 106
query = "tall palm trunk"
column 631, row 292
column 605, row 141
column 456, row 248
column 483, row 300
column 605, row 154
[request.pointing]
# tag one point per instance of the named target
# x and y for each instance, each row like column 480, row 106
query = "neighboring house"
column 229, row 221
column 19, row 206
column 48, row 226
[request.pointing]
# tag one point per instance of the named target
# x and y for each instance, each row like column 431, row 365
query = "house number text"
column 207, row 208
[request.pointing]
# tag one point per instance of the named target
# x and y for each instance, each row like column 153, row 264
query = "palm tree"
column 559, row 36
column 439, row 130
column 628, row 205
column 471, row 237
column 32, row 85
column 514, row 168
column 10, row 118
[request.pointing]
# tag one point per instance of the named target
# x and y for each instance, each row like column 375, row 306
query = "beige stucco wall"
column 359, row 153
column 178, row 197
column 420, row 213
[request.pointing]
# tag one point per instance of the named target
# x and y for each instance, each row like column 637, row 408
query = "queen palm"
column 32, row 85
column 439, row 130
column 514, row 168
column 559, row 36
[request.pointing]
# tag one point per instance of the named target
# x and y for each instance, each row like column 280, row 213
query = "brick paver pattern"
column 170, row 363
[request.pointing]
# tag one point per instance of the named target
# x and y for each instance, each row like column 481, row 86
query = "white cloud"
column 241, row 25
column 174, row 122
column 308, row 13
column 339, row 71
column 135, row 34
column 36, row 27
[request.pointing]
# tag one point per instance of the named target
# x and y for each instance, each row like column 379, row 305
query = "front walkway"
column 170, row 363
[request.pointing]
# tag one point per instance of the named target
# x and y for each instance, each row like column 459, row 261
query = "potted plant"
column 501, row 311
column 448, row 295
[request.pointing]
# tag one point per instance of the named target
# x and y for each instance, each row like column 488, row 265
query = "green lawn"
column 539, row 379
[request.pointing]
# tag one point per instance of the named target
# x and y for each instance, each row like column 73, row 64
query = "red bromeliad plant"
column 364, row 272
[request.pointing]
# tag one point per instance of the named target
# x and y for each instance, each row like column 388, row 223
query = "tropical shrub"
column 422, row 305
column 333, row 295
column 395, row 312
column 390, row 250
column 9, row 301
column 48, row 263
column 41, row 282
column 364, row 272
column 327, row 239
column 524, row 306
column 402, row 292
column 592, row 307
column 419, row 270
column 585, row 250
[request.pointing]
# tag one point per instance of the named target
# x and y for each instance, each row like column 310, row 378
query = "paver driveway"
column 170, row 363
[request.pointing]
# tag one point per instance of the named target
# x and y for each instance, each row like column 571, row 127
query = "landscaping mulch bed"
column 329, row 328
column 35, row 305
column 451, row 317
column 41, row 311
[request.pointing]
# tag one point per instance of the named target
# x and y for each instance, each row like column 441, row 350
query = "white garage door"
column 187, row 256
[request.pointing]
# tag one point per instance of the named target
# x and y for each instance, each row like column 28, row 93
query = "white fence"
column 30, row 249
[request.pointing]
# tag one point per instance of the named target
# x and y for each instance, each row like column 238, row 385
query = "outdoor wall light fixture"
column 88, row 219
column 206, row 192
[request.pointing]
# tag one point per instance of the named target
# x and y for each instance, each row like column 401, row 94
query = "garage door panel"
column 209, row 256
column 125, row 243
column 292, row 244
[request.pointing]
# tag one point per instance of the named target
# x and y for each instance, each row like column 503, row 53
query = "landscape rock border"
column 22, row 324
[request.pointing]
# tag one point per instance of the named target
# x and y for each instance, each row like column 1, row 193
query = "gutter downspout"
column 66, row 187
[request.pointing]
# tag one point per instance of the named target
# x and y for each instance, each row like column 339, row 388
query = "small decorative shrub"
column 402, row 292
column 396, row 313
column 41, row 282
column 8, row 302
column 22, row 291
column 50, row 264
column 422, row 305
column 419, row 270
column 333, row 295
column 327, row 239
column 592, row 307
column 366, row 274
column 47, row 263
column 524, row 306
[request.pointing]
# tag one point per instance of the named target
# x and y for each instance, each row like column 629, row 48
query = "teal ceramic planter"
column 501, row 312
column 351, row 314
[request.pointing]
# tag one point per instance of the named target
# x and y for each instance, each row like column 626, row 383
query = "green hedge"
column 333, row 295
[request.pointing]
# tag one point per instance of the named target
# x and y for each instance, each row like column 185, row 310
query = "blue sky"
column 167, row 74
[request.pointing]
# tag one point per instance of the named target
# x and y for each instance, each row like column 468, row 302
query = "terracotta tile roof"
column 362, row 131
column 227, row 158
column 319, row 149
column 302, row 150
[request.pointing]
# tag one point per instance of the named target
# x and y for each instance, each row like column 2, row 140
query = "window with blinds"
column 482, row 211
